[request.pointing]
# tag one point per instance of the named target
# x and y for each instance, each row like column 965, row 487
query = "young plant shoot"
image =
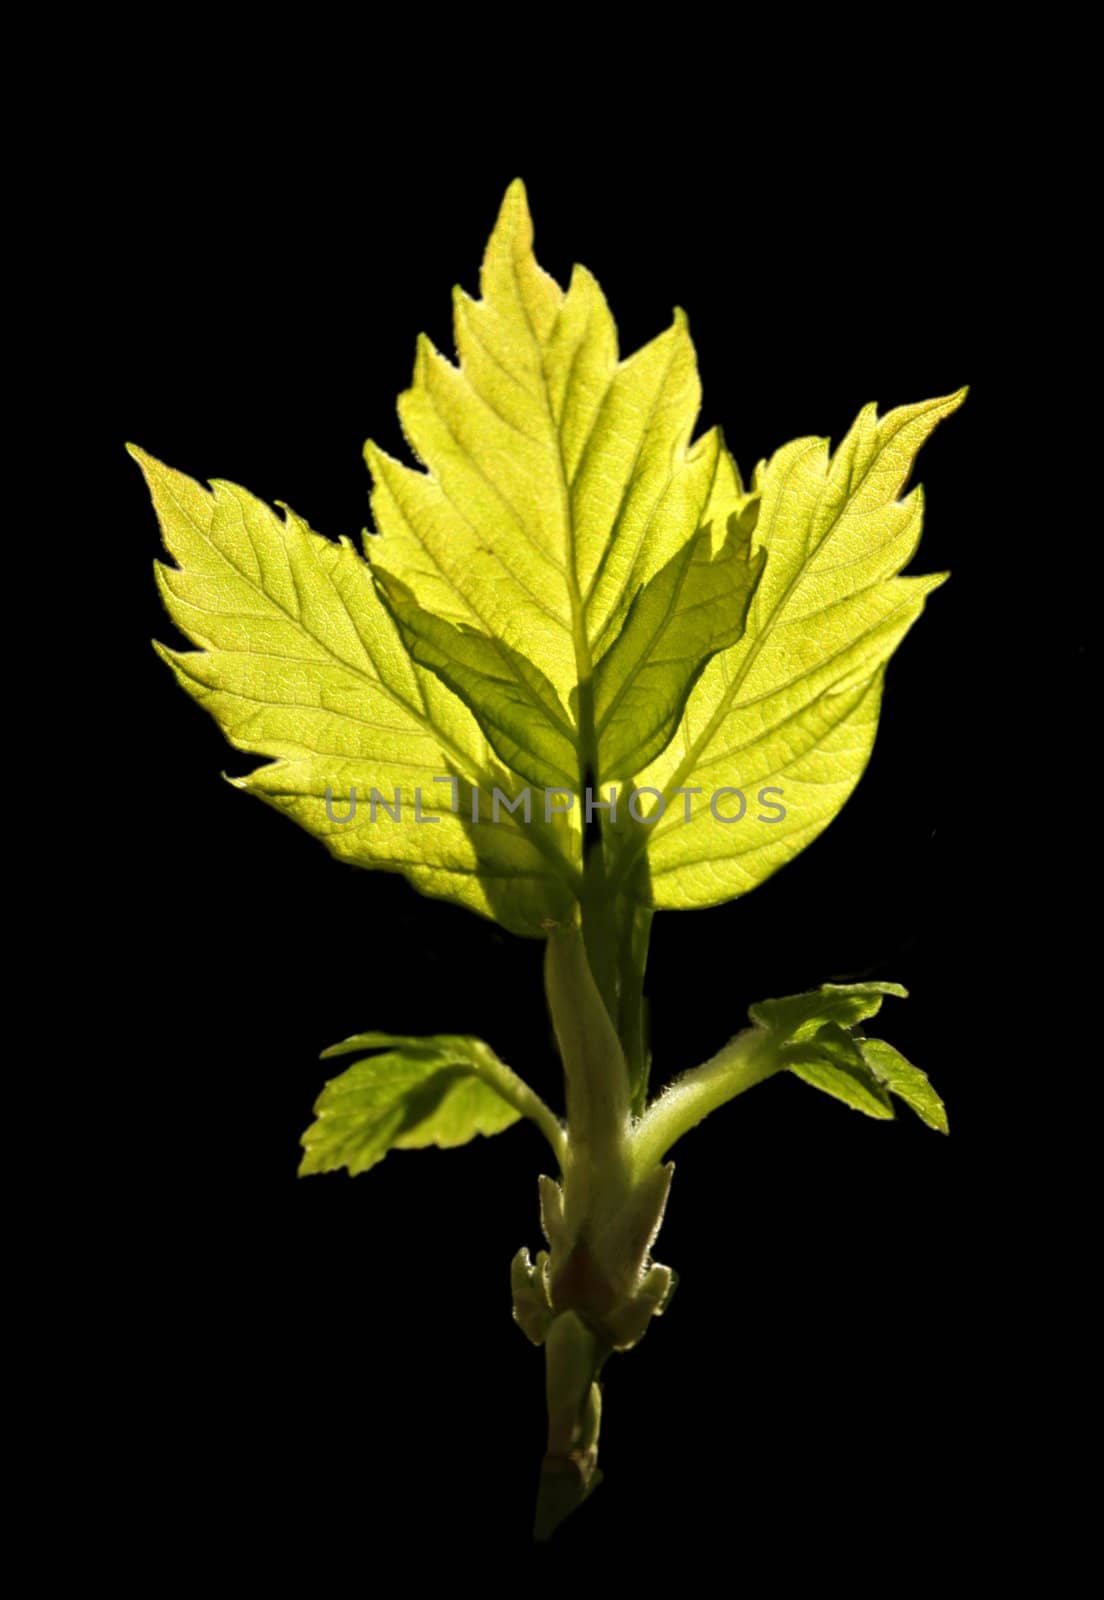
column 581, row 673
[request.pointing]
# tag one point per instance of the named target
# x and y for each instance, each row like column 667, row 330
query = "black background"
column 304, row 1370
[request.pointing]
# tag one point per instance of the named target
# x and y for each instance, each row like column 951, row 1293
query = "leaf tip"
column 309, row 1163
column 165, row 652
column 376, row 459
column 147, row 464
column 514, row 216
column 945, row 405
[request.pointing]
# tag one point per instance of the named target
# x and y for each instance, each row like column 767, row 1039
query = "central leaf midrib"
column 596, row 577
column 584, row 729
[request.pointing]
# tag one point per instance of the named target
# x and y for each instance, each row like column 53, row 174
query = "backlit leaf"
column 418, row 1092
column 794, row 705
column 298, row 660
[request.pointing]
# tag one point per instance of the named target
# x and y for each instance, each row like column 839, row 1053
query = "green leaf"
column 904, row 1080
column 568, row 591
column 442, row 1089
column 694, row 606
column 794, row 705
column 298, row 660
column 799, row 1016
column 564, row 518
column 815, row 1036
column 499, row 1079
column 518, row 708
column 832, row 1061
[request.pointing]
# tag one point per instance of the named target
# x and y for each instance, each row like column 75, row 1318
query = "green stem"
column 517, row 1093
column 594, row 1063
column 600, row 929
column 632, row 1007
column 746, row 1060
column 569, row 1472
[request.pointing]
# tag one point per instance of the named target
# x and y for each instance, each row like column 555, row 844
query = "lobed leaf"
column 794, row 705
column 569, row 590
column 564, row 519
column 299, row 661
column 414, row 1092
